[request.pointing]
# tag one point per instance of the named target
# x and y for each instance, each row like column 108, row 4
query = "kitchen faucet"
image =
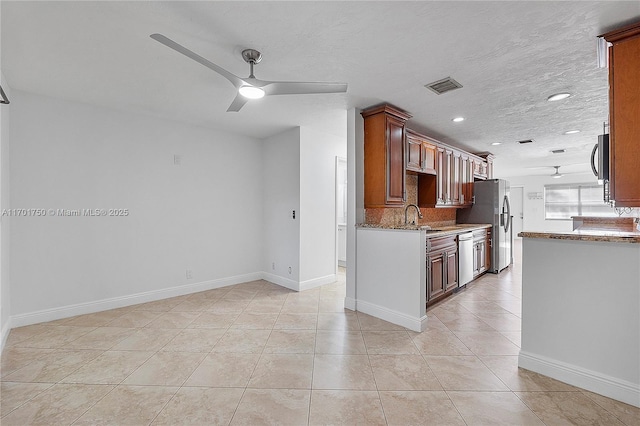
column 406, row 210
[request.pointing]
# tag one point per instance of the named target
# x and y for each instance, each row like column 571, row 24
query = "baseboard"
column 350, row 303
column 6, row 328
column 281, row 281
column 394, row 317
column 151, row 296
column 317, row 282
column 611, row 387
column 119, row 302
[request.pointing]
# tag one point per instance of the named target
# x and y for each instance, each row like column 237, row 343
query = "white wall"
column 355, row 197
column 533, row 209
column 318, row 152
column 202, row 215
column 299, row 174
column 281, row 182
column 581, row 314
column 5, row 293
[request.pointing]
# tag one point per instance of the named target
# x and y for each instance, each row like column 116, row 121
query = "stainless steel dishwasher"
column 465, row 258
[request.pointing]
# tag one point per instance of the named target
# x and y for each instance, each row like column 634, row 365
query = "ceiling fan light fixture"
column 558, row 96
column 251, row 92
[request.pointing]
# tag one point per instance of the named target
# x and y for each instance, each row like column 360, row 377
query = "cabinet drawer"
column 441, row 243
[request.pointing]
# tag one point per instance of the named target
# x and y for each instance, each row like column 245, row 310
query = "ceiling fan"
column 557, row 173
column 250, row 87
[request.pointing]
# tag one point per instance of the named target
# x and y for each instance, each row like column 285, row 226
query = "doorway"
column 517, row 210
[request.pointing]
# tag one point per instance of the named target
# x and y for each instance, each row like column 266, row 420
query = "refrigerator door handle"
column 506, row 213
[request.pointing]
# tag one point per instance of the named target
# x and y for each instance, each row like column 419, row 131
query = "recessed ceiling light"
column 558, row 97
column 571, row 132
column 496, row 143
column 458, row 119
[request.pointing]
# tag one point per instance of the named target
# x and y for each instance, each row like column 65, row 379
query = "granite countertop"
column 608, row 235
column 435, row 231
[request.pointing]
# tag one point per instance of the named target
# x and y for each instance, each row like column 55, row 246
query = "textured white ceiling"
column 509, row 56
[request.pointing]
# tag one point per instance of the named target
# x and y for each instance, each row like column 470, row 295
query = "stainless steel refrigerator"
column 491, row 205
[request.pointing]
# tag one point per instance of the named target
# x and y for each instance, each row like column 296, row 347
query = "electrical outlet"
column 273, row 266
column 289, row 270
column 294, row 214
column 189, row 274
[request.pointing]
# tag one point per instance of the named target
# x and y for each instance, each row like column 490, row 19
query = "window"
column 579, row 199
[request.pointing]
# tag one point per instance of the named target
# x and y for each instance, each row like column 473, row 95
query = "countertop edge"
column 447, row 230
column 584, row 236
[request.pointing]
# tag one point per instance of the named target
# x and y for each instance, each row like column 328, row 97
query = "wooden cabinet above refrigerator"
column 624, row 115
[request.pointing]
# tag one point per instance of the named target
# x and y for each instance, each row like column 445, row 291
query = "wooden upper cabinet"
column 455, row 179
column 443, row 159
column 384, row 156
column 480, row 169
column 421, row 154
column 624, row 115
column 414, row 154
column 466, row 176
column 428, row 158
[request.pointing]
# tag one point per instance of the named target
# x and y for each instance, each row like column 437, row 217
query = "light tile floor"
column 256, row 353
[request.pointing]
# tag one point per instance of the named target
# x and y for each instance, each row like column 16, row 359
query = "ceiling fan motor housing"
column 251, row 56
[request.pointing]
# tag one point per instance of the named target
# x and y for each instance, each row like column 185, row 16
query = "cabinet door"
column 436, row 275
column 624, row 114
column 487, row 251
column 441, row 176
column 395, row 161
column 414, row 154
column 451, row 257
column 482, row 256
column 447, row 175
column 464, row 181
column 455, row 183
column 428, row 158
column 476, row 259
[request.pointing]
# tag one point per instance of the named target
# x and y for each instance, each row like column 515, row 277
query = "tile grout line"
column 244, row 391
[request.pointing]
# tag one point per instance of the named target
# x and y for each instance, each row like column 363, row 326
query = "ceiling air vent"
column 558, row 151
column 526, row 141
column 442, row 86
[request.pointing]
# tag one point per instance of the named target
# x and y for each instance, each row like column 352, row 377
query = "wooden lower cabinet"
column 481, row 251
column 442, row 267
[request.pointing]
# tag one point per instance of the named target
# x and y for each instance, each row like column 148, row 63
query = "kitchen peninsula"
column 581, row 308
column 395, row 270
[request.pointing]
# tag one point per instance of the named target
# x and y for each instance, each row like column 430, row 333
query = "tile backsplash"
column 395, row 216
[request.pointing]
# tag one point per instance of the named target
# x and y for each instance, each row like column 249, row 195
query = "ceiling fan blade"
column 302, row 88
column 234, row 79
column 237, row 103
